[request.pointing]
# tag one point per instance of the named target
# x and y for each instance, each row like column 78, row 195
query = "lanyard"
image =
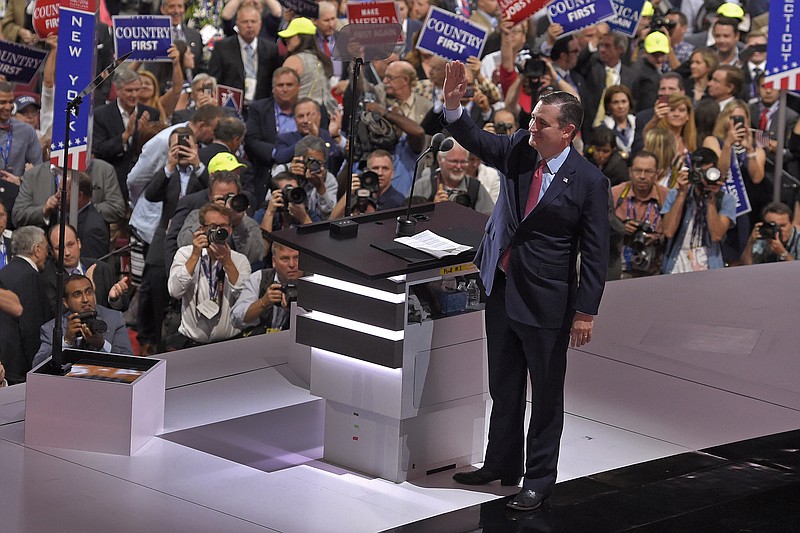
column 7, row 152
column 215, row 278
column 631, row 214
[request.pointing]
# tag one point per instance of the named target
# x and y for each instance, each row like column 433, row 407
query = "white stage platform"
column 678, row 363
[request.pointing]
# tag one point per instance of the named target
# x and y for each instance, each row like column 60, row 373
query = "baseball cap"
column 24, row 101
column 298, row 26
column 731, row 10
column 656, row 42
column 225, row 162
column 648, row 10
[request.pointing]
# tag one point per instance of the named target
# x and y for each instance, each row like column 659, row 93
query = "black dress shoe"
column 483, row 477
column 527, row 500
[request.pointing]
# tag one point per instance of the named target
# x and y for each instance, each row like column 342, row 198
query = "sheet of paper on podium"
column 433, row 244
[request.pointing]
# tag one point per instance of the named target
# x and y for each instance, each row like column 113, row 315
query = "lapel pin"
column 566, row 180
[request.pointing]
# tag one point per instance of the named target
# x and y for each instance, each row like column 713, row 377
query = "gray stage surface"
column 677, row 363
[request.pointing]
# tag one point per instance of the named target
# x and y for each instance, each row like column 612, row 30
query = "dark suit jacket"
column 167, row 189
column 93, row 232
column 20, row 336
column 645, row 86
column 791, row 118
column 186, row 205
column 227, row 67
column 595, row 77
column 572, row 216
column 117, row 335
column 107, row 140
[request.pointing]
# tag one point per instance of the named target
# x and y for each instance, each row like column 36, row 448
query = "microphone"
column 406, row 226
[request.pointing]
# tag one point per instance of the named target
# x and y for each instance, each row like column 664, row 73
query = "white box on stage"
column 105, row 403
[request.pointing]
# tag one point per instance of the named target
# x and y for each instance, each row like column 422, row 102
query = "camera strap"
column 215, row 277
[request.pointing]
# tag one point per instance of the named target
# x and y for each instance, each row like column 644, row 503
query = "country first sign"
column 147, row 37
column 574, row 15
column 451, row 36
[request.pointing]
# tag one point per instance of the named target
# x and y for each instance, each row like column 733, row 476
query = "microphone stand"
column 357, row 64
column 407, row 226
column 73, row 106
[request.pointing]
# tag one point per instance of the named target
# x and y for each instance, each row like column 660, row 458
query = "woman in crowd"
column 701, row 64
column 618, row 103
column 311, row 64
column 661, row 142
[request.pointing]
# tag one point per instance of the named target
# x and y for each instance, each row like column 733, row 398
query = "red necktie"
column 530, row 204
column 326, row 47
column 762, row 121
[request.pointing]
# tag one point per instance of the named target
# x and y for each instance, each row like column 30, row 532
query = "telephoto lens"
column 217, row 235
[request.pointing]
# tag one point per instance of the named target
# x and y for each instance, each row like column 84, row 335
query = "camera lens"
column 217, row 235
column 239, row 203
column 313, row 165
column 369, row 181
column 295, row 195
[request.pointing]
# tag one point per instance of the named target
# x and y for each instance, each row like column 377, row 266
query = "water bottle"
column 473, row 295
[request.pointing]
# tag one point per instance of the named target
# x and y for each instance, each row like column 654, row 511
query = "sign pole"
column 776, row 191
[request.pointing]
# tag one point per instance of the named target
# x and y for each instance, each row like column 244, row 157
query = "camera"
column 217, row 235
column 698, row 176
column 313, row 165
column 364, row 199
column 95, row 325
column 642, row 253
column 660, row 22
column 237, row 202
column 463, row 198
column 769, row 231
column 290, row 290
column 369, row 181
column 529, row 63
column 294, row 195
column 503, row 128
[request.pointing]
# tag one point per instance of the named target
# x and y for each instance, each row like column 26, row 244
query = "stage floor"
column 682, row 415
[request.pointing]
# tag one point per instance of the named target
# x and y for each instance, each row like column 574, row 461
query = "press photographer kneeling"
column 87, row 326
column 775, row 239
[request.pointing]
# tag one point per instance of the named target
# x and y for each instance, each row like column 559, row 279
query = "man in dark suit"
column 246, row 61
column 79, row 298
column 266, row 119
column 93, row 230
column 115, row 138
column 19, row 339
column 308, row 117
column 108, row 290
column 648, row 70
column 603, row 70
column 553, row 204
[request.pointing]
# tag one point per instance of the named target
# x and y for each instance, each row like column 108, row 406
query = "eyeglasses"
column 456, row 162
column 391, row 78
column 649, row 172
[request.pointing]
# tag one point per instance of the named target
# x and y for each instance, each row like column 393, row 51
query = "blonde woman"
column 661, row 141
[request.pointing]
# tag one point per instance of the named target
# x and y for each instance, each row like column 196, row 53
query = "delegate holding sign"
column 147, row 37
column 19, row 63
column 574, row 15
column 450, row 36
column 626, row 16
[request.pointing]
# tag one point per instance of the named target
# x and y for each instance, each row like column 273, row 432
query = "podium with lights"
column 404, row 398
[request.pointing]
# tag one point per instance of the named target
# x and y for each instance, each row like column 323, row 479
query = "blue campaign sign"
column 19, row 63
column 75, row 70
column 734, row 185
column 626, row 17
column 450, row 36
column 783, row 55
column 574, row 15
column 147, row 37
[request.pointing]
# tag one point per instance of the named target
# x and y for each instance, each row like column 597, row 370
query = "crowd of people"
column 194, row 187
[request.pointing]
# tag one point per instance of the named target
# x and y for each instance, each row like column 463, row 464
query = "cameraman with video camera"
column 638, row 205
column 775, row 239
column 697, row 214
column 87, row 326
column 207, row 277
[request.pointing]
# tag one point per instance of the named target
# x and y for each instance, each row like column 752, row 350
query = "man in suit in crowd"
column 108, row 290
column 115, row 138
column 37, row 203
column 266, row 119
column 176, row 10
column 764, row 115
column 603, row 70
column 19, row 340
column 246, row 61
column 553, row 204
column 79, row 298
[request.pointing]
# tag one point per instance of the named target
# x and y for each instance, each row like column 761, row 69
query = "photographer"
column 697, row 214
column 207, row 276
column 87, row 326
column 775, row 239
column 263, row 305
column 310, row 167
column 638, row 205
column 287, row 204
column 373, row 187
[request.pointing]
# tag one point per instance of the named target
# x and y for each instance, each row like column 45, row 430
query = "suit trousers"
column 153, row 303
column 515, row 352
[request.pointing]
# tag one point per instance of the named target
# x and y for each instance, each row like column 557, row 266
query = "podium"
column 403, row 399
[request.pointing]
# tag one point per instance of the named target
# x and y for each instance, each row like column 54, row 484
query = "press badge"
column 208, row 309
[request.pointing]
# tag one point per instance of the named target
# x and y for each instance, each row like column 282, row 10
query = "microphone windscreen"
column 436, row 141
column 446, row 145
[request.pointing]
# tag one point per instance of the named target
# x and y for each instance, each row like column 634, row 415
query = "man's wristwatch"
column 783, row 256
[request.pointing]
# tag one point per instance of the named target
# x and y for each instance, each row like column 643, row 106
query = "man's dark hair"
column 207, row 114
column 229, row 128
column 674, row 76
column 734, row 76
column 728, row 21
column 603, row 135
column 707, row 155
column 570, row 110
column 85, row 184
column 644, row 154
column 282, row 176
column 561, row 47
column 221, row 209
column 224, row 176
column 778, row 208
column 74, row 277
column 682, row 18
